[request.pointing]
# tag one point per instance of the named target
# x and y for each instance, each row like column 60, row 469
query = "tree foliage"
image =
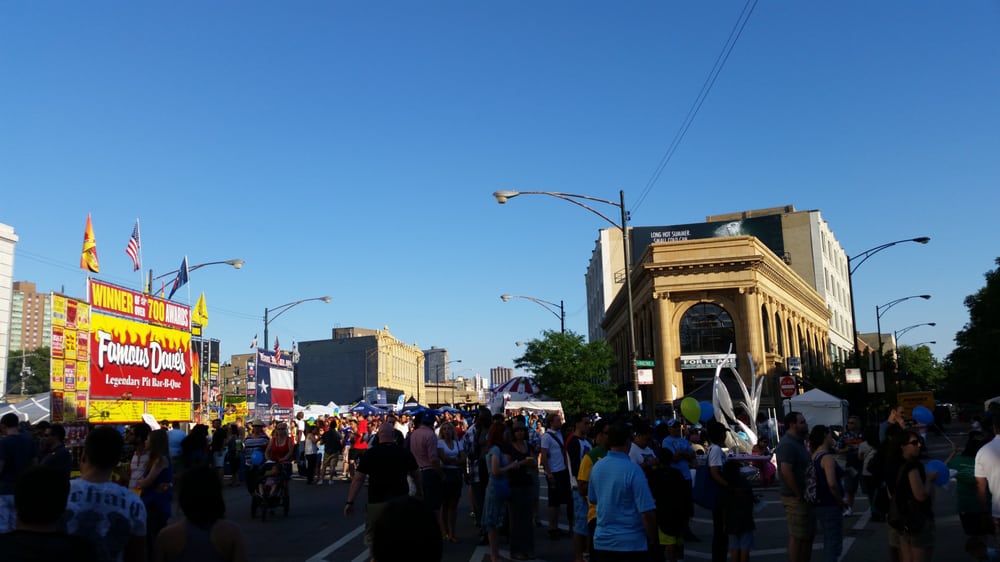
column 571, row 371
column 971, row 365
column 919, row 369
column 34, row 369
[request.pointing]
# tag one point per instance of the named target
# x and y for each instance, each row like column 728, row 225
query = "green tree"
column 971, row 365
column 919, row 370
column 29, row 367
column 571, row 371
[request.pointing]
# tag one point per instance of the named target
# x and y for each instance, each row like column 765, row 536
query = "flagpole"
column 139, row 239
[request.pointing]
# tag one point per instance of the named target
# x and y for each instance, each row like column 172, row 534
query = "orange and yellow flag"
column 88, row 258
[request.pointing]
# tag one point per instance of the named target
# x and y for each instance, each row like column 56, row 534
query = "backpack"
column 811, row 494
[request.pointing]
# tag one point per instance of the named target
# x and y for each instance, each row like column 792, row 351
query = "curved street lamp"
column 853, row 263
column 279, row 310
column 880, row 310
column 899, row 333
column 916, row 345
column 237, row 263
column 550, row 306
column 504, row 195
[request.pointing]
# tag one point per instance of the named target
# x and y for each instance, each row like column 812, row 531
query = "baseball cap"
column 673, row 422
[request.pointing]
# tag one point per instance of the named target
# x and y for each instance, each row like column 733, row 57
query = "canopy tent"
column 316, row 410
column 517, row 389
column 819, row 408
column 533, row 406
column 32, row 409
column 366, row 408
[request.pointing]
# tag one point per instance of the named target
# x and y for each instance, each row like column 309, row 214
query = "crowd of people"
column 625, row 486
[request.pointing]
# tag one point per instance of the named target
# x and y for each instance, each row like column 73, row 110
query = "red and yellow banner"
column 138, row 360
column 140, row 306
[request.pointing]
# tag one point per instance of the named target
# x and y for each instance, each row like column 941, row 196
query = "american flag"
column 277, row 349
column 133, row 247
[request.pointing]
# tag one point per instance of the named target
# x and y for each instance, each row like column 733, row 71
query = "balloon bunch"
column 696, row 412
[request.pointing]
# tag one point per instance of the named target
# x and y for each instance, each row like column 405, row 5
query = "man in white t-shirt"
column 988, row 471
column 556, row 475
column 110, row 516
column 640, row 452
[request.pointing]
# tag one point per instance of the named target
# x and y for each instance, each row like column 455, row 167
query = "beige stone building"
column 695, row 298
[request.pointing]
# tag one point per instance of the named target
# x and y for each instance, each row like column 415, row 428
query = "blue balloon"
column 707, row 412
column 923, row 415
column 256, row 458
column 943, row 474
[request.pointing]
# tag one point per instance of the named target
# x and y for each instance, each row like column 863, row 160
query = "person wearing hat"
column 256, row 441
column 681, row 449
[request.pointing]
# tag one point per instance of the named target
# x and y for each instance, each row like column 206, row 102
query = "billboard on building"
column 767, row 229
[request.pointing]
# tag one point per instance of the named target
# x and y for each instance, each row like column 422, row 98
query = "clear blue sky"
column 350, row 149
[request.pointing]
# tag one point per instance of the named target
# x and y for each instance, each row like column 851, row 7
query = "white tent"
column 819, row 408
column 547, row 406
column 316, row 410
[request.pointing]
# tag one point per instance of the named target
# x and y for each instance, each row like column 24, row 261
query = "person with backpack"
column 824, row 492
column 793, row 459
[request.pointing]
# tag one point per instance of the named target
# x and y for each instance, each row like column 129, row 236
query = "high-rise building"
column 436, row 365
column 7, row 242
column 500, row 375
column 31, row 321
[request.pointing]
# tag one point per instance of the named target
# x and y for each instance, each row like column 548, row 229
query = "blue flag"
column 181, row 279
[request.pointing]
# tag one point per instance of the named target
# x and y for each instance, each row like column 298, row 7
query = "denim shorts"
column 741, row 541
column 579, row 514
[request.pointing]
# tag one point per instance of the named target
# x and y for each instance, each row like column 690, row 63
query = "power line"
column 706, row 87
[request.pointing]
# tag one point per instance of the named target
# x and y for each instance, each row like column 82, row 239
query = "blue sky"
column 350, row 149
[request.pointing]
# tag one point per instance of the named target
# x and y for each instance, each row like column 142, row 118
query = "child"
column 764, row 467
column 738, row 501
column 271, row 481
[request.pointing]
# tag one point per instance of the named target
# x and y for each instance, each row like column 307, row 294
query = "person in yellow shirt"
column 597, row 453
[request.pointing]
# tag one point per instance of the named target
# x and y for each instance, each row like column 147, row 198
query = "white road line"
column 321, row 555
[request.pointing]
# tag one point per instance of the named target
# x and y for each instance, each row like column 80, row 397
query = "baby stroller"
column 271, row 490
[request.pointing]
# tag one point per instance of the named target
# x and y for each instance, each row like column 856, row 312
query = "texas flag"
column 275, row 383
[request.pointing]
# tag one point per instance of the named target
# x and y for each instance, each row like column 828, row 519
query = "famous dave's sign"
column 139, row 306
column 145, row 361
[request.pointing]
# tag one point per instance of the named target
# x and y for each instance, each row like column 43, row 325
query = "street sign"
column 794, row 365
column 644, row 363
column 645, row 376
column 787, row 386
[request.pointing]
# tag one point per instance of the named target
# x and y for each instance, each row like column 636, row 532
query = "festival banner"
column 138, row 360
column 69, row 358
column 138, row 306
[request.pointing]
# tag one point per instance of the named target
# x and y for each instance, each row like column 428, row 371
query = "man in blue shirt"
column 681, row 449
column 626, row 512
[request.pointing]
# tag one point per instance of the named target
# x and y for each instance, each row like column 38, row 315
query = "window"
column 706, row 328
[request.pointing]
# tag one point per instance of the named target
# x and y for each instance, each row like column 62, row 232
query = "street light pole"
column 899, row 333
column 576, row 199
column 236, row 263
column 550, row 306
column 853, row 263
column 879, row 311
column 279, row 310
